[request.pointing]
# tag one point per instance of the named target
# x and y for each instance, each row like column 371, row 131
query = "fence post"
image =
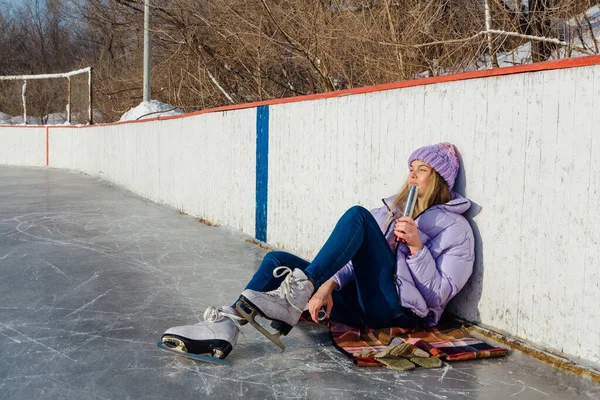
column 488, row 26
column 69, row 99
column 147, row 92
column 91, row 97
column 24, row 96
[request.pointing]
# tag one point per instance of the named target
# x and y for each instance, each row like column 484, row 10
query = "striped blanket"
column 402, row 349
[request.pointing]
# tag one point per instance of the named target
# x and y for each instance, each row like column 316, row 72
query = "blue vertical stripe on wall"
column 262, row 171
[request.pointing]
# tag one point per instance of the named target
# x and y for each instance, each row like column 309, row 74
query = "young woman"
column 377, row 269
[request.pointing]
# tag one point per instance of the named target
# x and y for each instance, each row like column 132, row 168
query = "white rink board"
column 23, row 146
column 529, row 141
column 530, row 144
column 203, row 165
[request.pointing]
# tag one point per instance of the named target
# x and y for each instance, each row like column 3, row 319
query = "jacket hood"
column 458, row 205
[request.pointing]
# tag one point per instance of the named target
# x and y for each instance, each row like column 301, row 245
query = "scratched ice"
column 92, row 275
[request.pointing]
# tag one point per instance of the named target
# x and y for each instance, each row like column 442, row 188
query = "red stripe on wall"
column 47, row 147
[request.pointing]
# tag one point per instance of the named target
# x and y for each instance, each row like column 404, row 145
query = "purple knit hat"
column 442, row 157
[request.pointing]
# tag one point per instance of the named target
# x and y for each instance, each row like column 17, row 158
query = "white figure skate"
column 282, row 306
column 211, row 340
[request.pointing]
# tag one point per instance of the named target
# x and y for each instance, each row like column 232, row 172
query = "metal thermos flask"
column 411, row 201
column 409, row 204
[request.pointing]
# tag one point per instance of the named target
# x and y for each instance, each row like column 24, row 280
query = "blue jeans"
column 372, row 299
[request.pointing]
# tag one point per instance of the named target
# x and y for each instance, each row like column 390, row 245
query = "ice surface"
column 93, row 274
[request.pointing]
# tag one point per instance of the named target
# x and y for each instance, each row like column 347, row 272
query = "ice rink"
column 91, row 275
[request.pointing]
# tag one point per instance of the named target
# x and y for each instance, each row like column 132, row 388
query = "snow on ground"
column 150, row 109
column 59, row 118
column 592, row 14
column 56, row 119
column 575, row 29
column 18, row 120
column 4, row 117
column 520, row 55
column 583, row 38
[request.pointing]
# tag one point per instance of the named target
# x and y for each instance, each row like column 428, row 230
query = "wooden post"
column 90, row 97
column 69, row 99
column 488, row 27
column 24, row 96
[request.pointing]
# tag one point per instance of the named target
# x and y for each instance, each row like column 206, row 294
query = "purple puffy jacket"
column 429, row 279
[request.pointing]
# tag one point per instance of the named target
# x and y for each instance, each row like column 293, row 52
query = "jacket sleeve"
column 440, row 279
column 344, row 275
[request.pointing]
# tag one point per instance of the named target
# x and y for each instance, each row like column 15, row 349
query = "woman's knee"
column 357, row 211
column 275, row 258
column 281, row 258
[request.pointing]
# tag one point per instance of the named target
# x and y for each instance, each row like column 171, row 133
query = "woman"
column 376, row 270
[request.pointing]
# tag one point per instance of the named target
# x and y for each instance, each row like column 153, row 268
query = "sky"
column 13, row 2
column 16, row 2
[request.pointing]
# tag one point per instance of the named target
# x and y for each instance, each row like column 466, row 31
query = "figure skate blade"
column 197, row 357
column 273, row 337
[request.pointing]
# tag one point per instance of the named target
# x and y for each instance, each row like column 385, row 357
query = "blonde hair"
column 437, row 192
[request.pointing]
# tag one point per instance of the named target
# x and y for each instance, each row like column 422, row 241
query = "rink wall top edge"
column 542, row 66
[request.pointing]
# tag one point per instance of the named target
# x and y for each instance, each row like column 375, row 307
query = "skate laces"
column 286, row 290
column 212, row 314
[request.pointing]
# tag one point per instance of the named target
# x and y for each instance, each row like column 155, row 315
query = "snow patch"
column 150, row 109
column 59, row 118
column 4, row 118
column 519, row 56
column 18, row 120
column 584, row 38
column 575, row 30
column 56, row 119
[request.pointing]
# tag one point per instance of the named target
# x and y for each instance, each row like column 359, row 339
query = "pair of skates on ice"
column 214, row 338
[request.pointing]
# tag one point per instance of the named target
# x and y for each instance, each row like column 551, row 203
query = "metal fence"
column 67, row 76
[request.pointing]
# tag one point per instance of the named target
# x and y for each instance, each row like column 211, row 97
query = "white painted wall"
column 23, row 146
column 529, row 142
column 203, row 165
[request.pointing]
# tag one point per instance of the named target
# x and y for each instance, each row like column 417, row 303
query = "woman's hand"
column 322, row 298
column 406, row 229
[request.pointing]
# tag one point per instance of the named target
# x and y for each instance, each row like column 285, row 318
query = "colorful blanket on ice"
column 402, row 349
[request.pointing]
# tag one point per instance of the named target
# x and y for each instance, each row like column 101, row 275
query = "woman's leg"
column 348, row 310
column 263, row 279
column 357, row 237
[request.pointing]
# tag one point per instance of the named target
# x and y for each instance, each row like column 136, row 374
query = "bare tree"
column 37, row 39
column 212, row 53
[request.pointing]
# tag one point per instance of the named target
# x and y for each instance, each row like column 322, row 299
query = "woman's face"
column 419, row 175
